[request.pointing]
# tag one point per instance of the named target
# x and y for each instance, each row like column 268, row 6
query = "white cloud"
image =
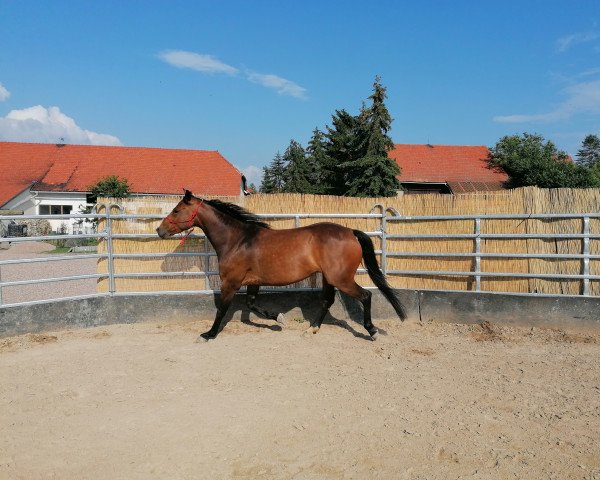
column 4, row 93
column 566, row 42
column 48, row 125
column 209, row 64
column 582, row 97
column 540, row 117
column 281, row 85
column 196, row 61
column 590, row 72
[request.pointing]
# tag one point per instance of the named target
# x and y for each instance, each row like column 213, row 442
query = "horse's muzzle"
column 162, row 232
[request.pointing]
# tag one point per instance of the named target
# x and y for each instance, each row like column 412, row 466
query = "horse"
column 252, row 254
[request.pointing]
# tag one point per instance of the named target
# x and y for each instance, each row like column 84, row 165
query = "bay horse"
column 250, row 253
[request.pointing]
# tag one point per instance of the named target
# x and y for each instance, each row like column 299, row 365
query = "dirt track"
column 424, row 402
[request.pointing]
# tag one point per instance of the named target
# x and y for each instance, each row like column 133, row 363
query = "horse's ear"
column 187, row 197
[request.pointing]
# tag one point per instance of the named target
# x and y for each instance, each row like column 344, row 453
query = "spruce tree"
column 274, row 176
column 342, row 147
column 316, row 159
column 266, row 184
column 297, row 175
column 351, row 158
column 589, row 154
column 373, row 174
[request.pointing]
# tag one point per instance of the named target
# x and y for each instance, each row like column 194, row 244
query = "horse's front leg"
column 228, row 290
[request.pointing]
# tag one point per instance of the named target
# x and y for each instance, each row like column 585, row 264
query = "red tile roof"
column 18, row 173
column 464, row 166
column 73, row 168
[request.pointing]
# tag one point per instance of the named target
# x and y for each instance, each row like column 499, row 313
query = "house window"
column 55, row 209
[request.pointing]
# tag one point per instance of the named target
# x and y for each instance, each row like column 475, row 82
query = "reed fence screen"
column 527, row 240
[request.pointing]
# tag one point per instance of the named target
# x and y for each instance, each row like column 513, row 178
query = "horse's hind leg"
column 364, row 296
column 327, row 299
column 251, row 293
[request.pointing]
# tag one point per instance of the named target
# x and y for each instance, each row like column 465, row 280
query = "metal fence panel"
column 386, row 218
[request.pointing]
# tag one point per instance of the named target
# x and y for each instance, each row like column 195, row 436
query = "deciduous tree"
column 529, row 160
column 111, row 186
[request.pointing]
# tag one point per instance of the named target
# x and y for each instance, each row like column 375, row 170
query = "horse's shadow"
column 309, row 305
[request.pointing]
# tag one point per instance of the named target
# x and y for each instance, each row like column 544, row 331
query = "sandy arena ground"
column 423, row 402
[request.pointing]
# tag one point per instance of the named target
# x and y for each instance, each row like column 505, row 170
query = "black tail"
column 370, row 261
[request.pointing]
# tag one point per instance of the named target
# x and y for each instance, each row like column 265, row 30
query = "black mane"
column 237, row 212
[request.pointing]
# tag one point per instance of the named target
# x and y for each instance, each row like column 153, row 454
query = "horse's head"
column 182, row 217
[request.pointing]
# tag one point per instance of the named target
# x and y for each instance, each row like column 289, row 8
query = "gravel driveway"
column 31, row 271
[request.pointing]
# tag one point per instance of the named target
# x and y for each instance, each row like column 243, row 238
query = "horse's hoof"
column 374, row 335
column 280, row 319
column 203, row 338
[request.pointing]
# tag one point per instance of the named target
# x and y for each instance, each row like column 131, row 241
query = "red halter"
column 190, row 220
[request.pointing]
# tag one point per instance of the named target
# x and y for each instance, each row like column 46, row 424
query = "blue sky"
column 245, row 77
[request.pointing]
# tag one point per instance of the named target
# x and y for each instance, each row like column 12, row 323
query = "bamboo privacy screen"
column 519, row 201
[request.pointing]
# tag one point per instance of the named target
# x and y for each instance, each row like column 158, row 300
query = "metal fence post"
column 206, row 264
column 384, row 242
column 586, row 256
column 109, row 247
column 477, row 254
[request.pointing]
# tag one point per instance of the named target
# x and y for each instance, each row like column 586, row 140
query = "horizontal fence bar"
column 182, row 274
column 493, row 236
column 163, row 274
column 392, row 218
column 53, row 279
column 58, row 258
column 495, row 216
column 45, row 238
column 164, row 255
column 88, row 216
column 240, row 292
column 546, row 256
column 165, row 292
column 123, row 216
column 444, row 273
column 128, row 236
